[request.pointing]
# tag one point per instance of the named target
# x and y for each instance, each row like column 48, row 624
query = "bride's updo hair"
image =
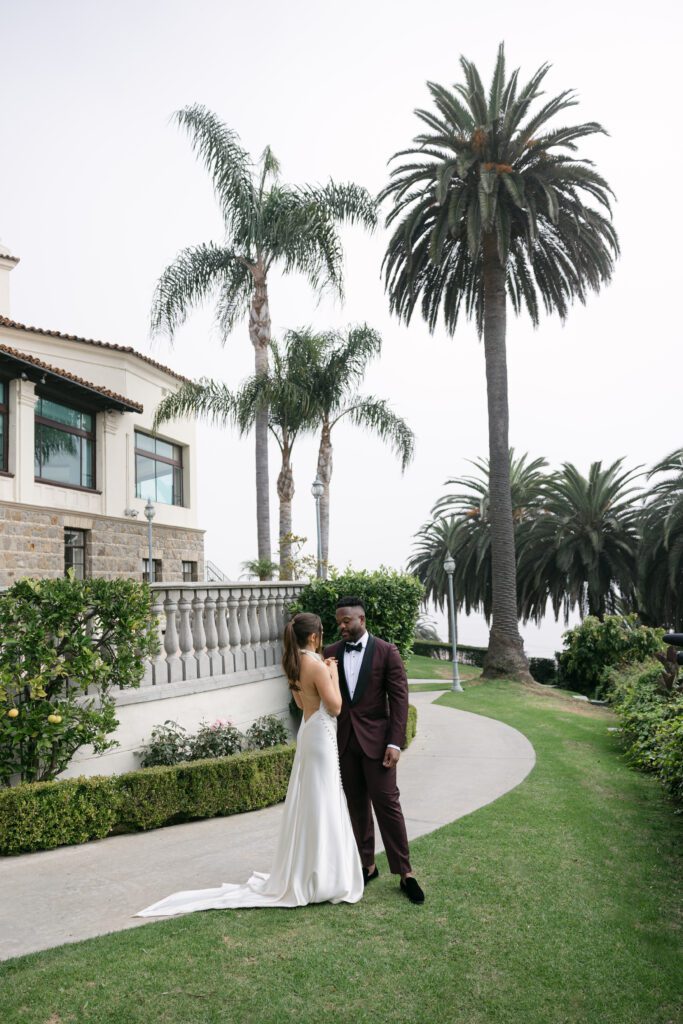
column 297, row 632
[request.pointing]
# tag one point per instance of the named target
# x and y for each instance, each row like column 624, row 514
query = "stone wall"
column 32, row 544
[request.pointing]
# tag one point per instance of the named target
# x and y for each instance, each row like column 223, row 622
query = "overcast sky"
column 98, row 192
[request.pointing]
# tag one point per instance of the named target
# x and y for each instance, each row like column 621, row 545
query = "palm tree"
column 267, row 224
column 333, row 365
column 661, row 558
column 582, row 551
column 461, row 526
column 280, row 391
column 490, row 203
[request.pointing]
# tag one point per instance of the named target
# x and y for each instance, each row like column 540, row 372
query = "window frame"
column 194, row 570
column 4, row 415
column 77, row 547
column 67, row 429
column 155, row 457
column 145, row 569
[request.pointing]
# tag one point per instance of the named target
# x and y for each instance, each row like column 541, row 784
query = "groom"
column 370, row 730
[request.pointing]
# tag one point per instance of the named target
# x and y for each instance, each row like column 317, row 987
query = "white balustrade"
column 219, row 630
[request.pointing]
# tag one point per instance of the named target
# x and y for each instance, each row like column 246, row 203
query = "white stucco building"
column 79, row 458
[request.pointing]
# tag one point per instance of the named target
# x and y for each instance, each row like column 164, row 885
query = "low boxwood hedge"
column 40, row 816
column 411, row 726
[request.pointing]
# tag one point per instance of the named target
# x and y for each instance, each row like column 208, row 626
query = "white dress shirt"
column 352, row 664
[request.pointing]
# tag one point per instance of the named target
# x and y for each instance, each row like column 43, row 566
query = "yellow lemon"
column 13, row 713
column 54, row 719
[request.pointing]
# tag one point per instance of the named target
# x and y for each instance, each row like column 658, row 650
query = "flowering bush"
column 169, row 744
column 220, row 739
column 64, row 645
column 267, row 731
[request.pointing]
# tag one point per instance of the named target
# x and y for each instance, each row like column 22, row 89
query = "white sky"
column 98, row 192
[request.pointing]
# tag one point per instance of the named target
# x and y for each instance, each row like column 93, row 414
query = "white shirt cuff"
column 393, row 746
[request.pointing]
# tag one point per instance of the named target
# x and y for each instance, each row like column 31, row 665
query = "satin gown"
column 316, row 859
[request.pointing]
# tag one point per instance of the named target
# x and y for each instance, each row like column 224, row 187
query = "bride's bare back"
column 318, row 683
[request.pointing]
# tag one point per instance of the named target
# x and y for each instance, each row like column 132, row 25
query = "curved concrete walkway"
column 457, row 763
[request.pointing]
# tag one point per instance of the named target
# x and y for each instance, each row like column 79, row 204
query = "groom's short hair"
column 350, row 602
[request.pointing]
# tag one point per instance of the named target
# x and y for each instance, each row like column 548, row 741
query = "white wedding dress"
column 316, row 859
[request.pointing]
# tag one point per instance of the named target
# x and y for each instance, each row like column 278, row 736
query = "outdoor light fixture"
column 317, row 490
column 449, row 569
column 150, row 513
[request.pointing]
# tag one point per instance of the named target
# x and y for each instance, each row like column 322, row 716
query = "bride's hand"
column 332, row 665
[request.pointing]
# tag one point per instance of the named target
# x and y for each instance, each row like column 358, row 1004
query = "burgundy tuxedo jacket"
column 378, row 713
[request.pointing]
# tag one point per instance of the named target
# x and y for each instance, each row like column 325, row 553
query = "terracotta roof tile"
column 6, row 322
column 34, row 361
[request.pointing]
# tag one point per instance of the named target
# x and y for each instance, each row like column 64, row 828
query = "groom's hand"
column 391, row 756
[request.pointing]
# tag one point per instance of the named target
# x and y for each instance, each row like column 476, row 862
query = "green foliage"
column 411, row 726
column 392, row 600
column 219, row 739
column 594, row 647
column 267, row 731
column 544, row 670
column 651, row 723
column 40, row 816
column 169, row 744
column 64, row 645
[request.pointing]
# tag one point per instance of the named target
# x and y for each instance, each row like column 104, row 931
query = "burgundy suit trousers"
column 368, row 784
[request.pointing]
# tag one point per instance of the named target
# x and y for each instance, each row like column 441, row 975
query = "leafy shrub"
column 594, row 647
column 267, row 731
column 544, row 670
column 220, row 739
column 40, row 816
column 169, row 744
column 651, row 723
column 392, row 601
column 411, row 726
column 64, row 644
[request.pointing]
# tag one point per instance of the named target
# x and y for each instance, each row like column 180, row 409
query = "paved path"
column 457, row 763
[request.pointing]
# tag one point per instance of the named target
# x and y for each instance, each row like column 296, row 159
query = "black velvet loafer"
column 370, row 876
column 412, row 890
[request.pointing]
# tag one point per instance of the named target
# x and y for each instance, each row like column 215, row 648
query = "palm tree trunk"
column 505, row 655
column 325, row 475
column 259, row 332
column 285, row 492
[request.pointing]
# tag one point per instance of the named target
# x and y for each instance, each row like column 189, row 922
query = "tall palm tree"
column 266, row 224
column 582, row 551
column 281, row 393
column 490, row 203
column 660, row 582
column 461, row 526
column 333, row 364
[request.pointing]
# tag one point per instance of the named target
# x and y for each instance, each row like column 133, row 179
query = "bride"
column 316, row 859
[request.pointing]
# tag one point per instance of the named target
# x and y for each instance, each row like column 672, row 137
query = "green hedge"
column 651, row 723
column 40, row 816
column 411, row 726
column 467, row 654
column 392, row 603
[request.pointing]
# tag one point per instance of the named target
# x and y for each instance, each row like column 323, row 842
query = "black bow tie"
column 353, row 647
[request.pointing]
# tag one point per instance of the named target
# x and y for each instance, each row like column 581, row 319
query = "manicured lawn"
column 419, row 667
column 557, row 904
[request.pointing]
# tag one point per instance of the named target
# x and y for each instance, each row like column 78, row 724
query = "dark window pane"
column 156, row 562
column 177, row 486
column 87, row 460
column 58, row 456
column 3, row 433
column 3, row 393
column 189, row 572
column 74, row 552
column 64, row 414
column 144, row 441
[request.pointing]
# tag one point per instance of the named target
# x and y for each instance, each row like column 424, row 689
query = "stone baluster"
column 274, row 624
column 174, row 668
column 157, row 672
column 185, row 639
column 236, row 653
column 264, row 626
column 254, row 628
column 222, row 634
column 211, row 631
column 245, row 630
column 199, row 635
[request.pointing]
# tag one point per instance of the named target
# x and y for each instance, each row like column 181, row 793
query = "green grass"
column 557, row 904
column 419, row 667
